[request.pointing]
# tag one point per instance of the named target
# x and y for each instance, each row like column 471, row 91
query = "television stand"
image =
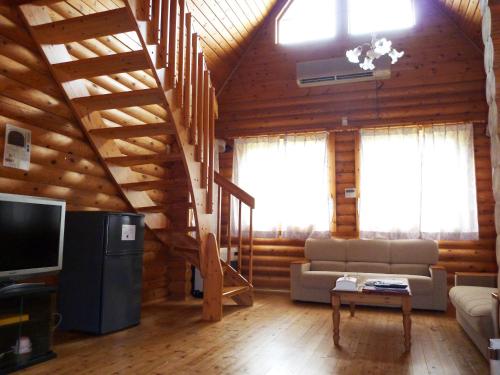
column 26, row 315
column 13, row 287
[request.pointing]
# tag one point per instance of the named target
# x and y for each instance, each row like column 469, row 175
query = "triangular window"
column 307, row 20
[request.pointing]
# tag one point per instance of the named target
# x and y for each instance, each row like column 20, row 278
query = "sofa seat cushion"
column 320, row 279
column 371, row 267
column 472, row 300
column 474, row 304
column 419, row 285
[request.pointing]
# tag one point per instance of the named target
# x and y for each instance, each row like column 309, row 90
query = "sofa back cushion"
column 376, row 251
column 414, row 252
column 327, row 265
column 368, row 267
column 326, row 249
column 410, row 269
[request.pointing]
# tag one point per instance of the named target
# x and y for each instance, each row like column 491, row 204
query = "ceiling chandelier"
column 376, row 49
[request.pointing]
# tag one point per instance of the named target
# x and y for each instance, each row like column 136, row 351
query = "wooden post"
column 211, row 150
column 200, row 109
column 172, row 45
column 194, row 90
column 180, row 59
column 240, row 239
column 332, row 179
column 143, row 10
column 219, row 212
column 161, row 59
column 229, row 231
column 206, row 109
column 357, row 154
column 250, row 257
column 187, row 86
column 213, row 281
column 154, row 24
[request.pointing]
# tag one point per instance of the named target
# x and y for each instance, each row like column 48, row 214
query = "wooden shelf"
column 7, row 320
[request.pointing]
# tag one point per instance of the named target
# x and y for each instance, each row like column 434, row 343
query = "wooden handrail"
column 234, row 190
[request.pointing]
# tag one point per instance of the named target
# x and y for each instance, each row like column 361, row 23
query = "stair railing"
column 243, row 198
column 178, row 52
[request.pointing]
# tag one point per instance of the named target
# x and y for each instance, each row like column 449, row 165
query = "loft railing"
column 178, row 52
column 242, row 197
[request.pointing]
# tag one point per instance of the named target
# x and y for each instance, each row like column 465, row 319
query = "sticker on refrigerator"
column 128, row 232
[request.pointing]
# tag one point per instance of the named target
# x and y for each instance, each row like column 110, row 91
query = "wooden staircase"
column 136, row 79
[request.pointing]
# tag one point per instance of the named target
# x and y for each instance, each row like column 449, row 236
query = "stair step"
column 231, row 291
column 177, row 230
column 119, row 100
column 128, row 161
column 163, row 208
column 102, row 65
column 94, row 25
column 134, row 131
column 155, row 184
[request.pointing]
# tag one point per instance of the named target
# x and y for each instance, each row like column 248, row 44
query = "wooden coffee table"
column 380, row 298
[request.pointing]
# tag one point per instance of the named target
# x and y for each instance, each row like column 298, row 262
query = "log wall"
column 273, row 256
column 440, row 79
column 63, row 164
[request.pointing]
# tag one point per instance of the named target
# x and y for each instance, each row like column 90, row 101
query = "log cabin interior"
column 249, row 186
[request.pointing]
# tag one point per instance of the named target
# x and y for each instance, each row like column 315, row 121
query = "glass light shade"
column 367, row 64
column 353, row 54
column 395, row 55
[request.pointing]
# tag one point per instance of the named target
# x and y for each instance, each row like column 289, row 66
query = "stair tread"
column 128, row 161
column 119, row 100
column 164, row 207
column 231, row 291
column 134, row 131
column 155, row 184
column 101, row 65
column 90, row 26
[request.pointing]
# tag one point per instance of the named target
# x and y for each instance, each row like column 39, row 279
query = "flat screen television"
column 31, row 235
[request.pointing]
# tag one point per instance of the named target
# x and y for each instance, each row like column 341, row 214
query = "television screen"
column 31, row 234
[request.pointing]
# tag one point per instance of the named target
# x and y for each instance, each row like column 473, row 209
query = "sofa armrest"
column 439, row 287
column 495, row 306
column 485, row 279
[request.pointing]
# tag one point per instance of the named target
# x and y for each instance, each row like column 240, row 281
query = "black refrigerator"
column 100, row 282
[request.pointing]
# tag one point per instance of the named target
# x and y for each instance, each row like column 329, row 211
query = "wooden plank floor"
column 275, row 336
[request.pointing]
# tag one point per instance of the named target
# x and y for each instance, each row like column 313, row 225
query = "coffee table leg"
column 336, row 319
column 407, row 321
column 352, row 306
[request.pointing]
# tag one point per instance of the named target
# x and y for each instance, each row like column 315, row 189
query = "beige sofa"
column 329, row 259
column 476, row 306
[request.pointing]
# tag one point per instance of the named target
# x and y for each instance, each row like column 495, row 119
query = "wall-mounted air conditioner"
column 338, row 70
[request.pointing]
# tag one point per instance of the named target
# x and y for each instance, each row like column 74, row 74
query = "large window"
column 288, row 176
column 369, row 16
column 418, row 183
column 305, row 20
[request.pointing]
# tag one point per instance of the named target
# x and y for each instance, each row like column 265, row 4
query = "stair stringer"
column 58, row 53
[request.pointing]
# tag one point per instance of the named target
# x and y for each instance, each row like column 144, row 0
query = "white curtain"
column 418, row 183
column 288, row 176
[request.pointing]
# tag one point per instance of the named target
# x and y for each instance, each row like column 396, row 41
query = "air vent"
column 337, row 71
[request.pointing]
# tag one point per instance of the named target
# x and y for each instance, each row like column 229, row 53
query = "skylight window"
column 307, row 20
column 369, row 16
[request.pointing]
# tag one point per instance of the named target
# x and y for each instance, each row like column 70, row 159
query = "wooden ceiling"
column 226, row 28
column 467, row 15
